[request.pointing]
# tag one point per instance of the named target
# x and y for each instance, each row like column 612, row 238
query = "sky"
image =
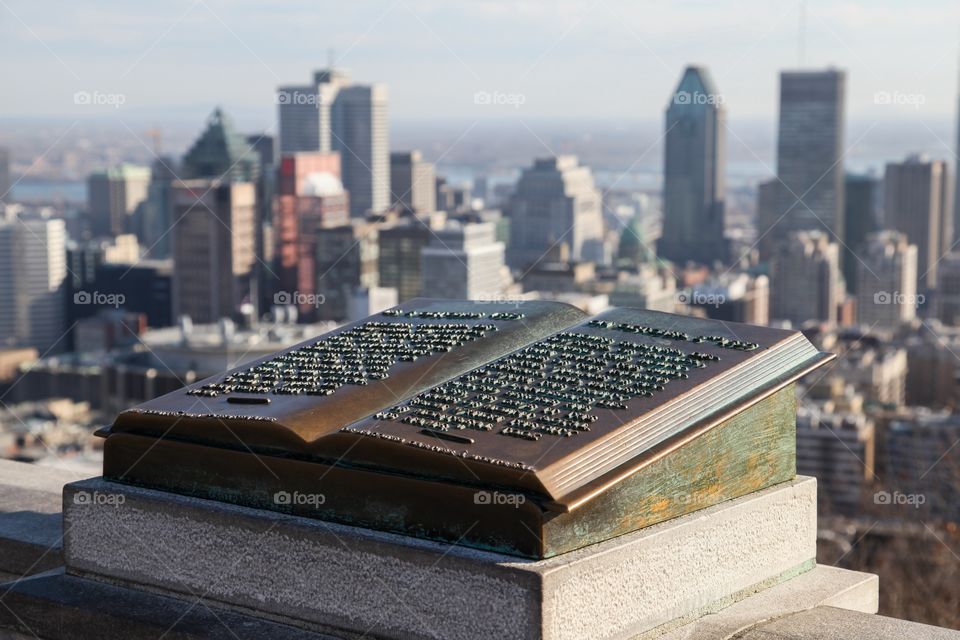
column 597, row 59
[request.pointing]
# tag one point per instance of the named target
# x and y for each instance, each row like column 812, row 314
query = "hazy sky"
column 598, row 58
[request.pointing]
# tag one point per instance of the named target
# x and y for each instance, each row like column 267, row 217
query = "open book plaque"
column 525, row 428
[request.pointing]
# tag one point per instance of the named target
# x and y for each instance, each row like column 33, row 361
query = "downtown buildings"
column 555, row 203
column 332, row 114
column 693, row 177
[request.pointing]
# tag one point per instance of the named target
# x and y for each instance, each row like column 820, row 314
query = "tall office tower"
column 956, row 183
column 360, row 135
column 153, row 229
column 947, row 306
column 113, row 197
column 887, row 280
column 334, row 115
column 346, row 261
column 412, row 183
column 768, row 194
column 810, row 190
column 401, row 244
column 6, row 184
column 33, row 270
column 213, row 248
column 693, row 184
column 555, row 203
column 310, row 196
column 917, row 202
column 806, row 278
column 221, row 153
column 465, row 261
column 859, row 220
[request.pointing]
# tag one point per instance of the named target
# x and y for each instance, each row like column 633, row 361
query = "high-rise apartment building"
column 332, row 114
column 887, row 280
column 33, row 270
column 412, row 183
column 806, row 279
column 465, row 261
column 213, row 248
column 693, row 187
column 810, row 189
column 555, row 203
column 113, row 197
column 917, row 203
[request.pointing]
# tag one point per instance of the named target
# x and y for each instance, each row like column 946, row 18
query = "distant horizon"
column 599, row 58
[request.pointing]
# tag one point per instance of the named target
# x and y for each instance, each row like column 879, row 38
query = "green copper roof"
column 221, row 152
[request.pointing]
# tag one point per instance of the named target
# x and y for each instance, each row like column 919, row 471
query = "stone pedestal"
column 342, row 579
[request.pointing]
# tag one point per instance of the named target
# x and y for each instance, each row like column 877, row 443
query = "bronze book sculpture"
column 525, row 428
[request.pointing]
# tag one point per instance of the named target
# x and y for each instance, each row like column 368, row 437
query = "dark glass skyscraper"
column 694, row 172
column 810, row 153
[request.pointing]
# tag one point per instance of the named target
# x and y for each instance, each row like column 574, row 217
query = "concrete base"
column 335, row 577
column 31, row 529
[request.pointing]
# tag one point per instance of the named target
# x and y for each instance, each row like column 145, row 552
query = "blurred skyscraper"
column 221, row 153
column 806, row 278
column 334, row 115
column 347, row 261
column 310, row 197
column 113, row 196
column 693, row 188
column 213, row 248
column 555, row 203
column 153, row 228
column 810, row 190
column 33, row 270
column 860, row 220
column 6, row 184
column 917, row 203
column 412, row 182
column 465, row 261
column 887, row 281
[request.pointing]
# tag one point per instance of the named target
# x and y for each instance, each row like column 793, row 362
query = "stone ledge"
column 54, row 606
column 830, row 623
column 399, row 587
column 31, row 528
column 824, row 586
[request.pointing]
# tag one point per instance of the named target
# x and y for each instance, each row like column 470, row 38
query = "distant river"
column 28, row 190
